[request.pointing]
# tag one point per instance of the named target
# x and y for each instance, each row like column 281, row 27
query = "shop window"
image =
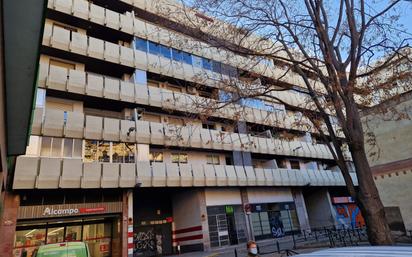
column 213, row 159
column 73, row 233
column 197, row 61
column 123, row 152
column 179, row 157
column 98, row 238
column 156, row 157
column 165, row 52
column 295, row 165
column 27, row 241
column 55, row 235
column 140, row 44
column 187, row 58
column 154, row 48
column 177, row 55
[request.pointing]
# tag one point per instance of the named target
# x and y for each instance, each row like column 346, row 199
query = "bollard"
column 278, row 246
column 235, row 252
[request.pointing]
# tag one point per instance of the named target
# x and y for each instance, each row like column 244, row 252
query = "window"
column 187, row 58
column 165, row 52
column 140, row 77
column 281, row 164
column 207, row 64
column 216, row 67
column 154, row 48
column 294, row 165
column 140, row 44
column 213, row 159
column 156, row 157
column 177, row 55
column 179, row 157
column 123, row 152
column 40, row 97
column 225, row 96
column 197, row 61
column 209, row 126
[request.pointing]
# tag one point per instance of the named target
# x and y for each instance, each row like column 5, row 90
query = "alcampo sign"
column 50, row 211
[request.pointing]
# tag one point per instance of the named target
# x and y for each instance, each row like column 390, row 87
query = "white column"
column 130, row 223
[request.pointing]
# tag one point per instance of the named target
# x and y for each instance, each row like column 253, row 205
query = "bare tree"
column 325, row 50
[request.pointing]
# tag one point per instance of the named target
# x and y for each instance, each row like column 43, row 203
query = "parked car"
column 364, row 251
column 67, row 249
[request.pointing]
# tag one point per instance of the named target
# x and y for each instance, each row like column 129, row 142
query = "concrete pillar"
column 301, row 209
column 319, row 208
column 204, row 220
column 245, row 200
column 127, row 224
column 8, row 223
column 130, row 223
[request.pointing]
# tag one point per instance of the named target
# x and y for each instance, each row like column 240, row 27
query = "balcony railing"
column 57, row 123
column 139, row 28
column 52, row 173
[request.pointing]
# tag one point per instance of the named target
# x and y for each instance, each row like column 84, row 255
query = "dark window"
column 141, row 44
column 295, row 165
column 187, row 58
column 177, row 55
column 207, row 64
column 165, row 52
column 281, row 164
column 154, row 48
column 216, row 67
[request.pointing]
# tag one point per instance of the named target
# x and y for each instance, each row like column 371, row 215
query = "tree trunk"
column 368, row 199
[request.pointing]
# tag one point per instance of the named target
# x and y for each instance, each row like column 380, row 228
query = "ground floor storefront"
column 60, row 219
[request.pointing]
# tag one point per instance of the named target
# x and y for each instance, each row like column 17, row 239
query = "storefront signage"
column 71, row 211
column 61, row 210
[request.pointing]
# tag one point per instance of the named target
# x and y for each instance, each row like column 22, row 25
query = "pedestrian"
column 252, row 249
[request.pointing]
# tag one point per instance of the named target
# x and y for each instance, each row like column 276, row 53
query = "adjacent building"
column 121, row 155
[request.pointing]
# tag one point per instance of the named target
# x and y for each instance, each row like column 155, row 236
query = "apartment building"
column 122, row 156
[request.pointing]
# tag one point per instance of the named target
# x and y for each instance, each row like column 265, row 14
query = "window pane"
column 140, row 77
column 183, row 158
column 216, row 67
column 207, row 64
column 77, row 149
column 165, row 51
column 156, row 157
column 55, row 235
column 56, row 147
column 187, row 58
column 154, row 48
column 175, row 158
column 118, row 152
column 73, row 233
column 295, row 165
column 45, row 146
column 68, row 147
column 197, row 61
column 177, row 55
column 130, row 151
column 103, row 151
column 140, row 44
column 28, row 241
column 40, row 97
column 90, row 150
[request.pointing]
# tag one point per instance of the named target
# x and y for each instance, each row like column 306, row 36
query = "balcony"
column 53, row 173
column 57, row 123
column 139, row 28
column 92, row 84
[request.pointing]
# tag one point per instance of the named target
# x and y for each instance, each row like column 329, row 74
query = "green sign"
column 229, row 209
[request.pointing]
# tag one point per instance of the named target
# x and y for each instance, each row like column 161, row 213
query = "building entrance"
column 227, row 225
